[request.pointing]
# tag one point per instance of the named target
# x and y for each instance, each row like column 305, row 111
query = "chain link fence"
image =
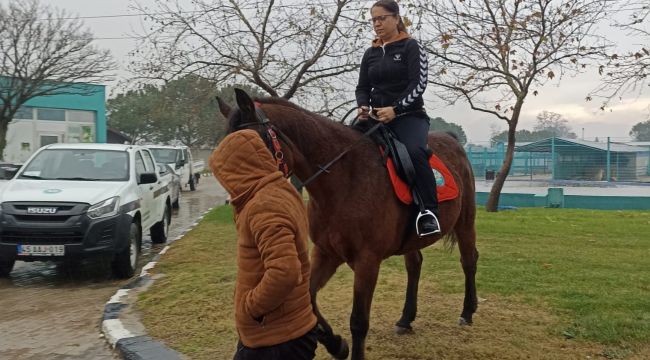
column 566, row 160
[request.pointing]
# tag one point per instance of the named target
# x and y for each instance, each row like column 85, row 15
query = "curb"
column 129, row 337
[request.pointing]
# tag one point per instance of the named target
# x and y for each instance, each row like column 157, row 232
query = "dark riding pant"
column 412, row 130
column 302, row 348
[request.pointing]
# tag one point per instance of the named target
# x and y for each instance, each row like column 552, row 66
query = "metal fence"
column 562, row 159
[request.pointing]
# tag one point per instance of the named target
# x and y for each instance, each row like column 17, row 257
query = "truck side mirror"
column 147, row 178
column 8, row 172
column 180, row 163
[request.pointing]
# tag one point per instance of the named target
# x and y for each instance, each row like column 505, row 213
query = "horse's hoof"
column 344, row 351
column 402, row 330
column 463, row 322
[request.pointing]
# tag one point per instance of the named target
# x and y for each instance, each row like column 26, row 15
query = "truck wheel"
column 192, row 183
column 160, row 229
column 176, row 204
column 126, row 261
column 6, row 265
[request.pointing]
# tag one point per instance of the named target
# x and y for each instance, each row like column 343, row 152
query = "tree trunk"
column 493, row 200
column 4, row 123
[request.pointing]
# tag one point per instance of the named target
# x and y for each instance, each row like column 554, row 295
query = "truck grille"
column 65, row 211
column 42, row 237
column 43, row 218
column 60, row 207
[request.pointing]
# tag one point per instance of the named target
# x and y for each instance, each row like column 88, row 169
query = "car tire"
column 6, row 265
column 126, row 261
column 160, row 230
column 177, row 204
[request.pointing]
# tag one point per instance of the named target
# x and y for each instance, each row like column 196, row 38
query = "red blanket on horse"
column 446, row 185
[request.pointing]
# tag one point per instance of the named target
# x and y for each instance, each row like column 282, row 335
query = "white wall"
column 24, row 135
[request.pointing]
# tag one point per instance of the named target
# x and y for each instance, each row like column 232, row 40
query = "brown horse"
column 354, row 215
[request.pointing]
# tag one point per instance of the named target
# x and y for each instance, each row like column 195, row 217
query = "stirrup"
column 417, row 222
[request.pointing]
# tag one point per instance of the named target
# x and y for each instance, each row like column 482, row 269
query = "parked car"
column 180, row 158
column 167, row 174
column 73, row 201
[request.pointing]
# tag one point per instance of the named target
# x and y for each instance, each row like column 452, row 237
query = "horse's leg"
column 468, row 259
column 366, row 270
column 413, row 262
column 322, row 269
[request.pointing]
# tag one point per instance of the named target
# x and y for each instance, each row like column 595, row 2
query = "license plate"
column 41, row 250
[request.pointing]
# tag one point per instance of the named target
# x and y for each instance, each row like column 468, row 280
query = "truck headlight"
column 108, row 207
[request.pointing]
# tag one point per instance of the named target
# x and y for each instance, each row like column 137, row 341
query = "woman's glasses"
column 380, row 18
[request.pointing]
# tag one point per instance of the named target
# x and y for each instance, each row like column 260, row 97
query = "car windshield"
column 164, row 155
column 78, row 164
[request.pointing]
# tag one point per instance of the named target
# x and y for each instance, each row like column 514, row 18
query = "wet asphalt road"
column 50, row 312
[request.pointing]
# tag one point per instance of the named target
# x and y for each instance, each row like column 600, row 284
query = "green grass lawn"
column 591, row 265
column 556, row 283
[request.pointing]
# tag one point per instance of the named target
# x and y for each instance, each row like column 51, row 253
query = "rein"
column 323, row 168
column 276, row 148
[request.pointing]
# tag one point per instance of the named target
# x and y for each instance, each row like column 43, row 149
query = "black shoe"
column 427, row 224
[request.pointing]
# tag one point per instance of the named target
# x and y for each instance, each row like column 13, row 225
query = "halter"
column 274, row 146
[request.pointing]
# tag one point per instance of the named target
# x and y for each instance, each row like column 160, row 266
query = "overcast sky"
column 566, row 99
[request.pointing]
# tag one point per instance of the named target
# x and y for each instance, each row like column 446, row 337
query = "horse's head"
column 248, row 115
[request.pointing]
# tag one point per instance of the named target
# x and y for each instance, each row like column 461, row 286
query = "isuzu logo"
column 41, row 210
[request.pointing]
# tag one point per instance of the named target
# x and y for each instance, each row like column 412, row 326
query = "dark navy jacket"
column 393, row 75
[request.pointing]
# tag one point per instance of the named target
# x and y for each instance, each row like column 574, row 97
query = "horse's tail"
column 450, row 240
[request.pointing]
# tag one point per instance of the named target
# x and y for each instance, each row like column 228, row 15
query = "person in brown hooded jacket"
column 273, row 311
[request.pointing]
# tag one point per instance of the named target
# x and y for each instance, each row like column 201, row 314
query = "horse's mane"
column 284, row 102
column 321, row 124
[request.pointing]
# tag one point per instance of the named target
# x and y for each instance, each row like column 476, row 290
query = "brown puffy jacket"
column 272, row 302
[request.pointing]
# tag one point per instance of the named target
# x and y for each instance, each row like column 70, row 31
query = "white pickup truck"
column 73, row 201
column 180, row 159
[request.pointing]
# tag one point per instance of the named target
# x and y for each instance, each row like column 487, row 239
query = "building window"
column 24, row 113
column 80, row 133
column 49, row 139
column 81, row 116
column 50, row 114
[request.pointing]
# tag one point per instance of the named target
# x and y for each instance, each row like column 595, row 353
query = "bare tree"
column 628, row 70
column 42, row 51
column 553, row 124
column 493, row 54
column 287, row 48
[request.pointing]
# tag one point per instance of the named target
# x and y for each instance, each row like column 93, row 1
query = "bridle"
column 271, row 140
column 276, row 148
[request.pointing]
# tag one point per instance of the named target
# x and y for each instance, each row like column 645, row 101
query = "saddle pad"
column 446, row 184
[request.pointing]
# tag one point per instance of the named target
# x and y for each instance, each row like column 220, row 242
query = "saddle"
column 402, row 173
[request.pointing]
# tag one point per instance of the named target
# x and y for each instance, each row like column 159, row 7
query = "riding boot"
column 427, row 222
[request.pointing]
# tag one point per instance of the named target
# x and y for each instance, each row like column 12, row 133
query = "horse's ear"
column 244, row 102
column 223, row 107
